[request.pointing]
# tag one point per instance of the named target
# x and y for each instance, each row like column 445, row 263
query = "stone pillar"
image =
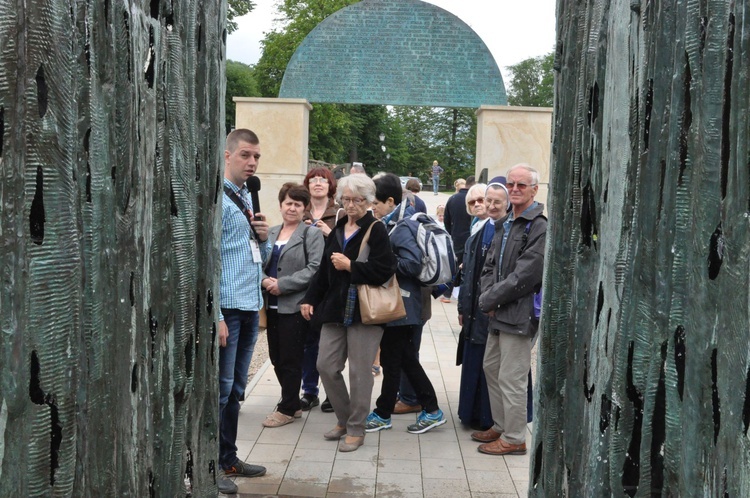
column 509, row 135
column 283, row 128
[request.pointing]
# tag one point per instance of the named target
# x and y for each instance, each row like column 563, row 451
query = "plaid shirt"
column 240, row 275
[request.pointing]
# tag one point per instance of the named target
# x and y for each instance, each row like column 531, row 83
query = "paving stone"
column 439, row 449
column 486, row 482
column 307, row 489
column 393, row 485
column 443, row 468
column 352, row 486
column 441, row 488
column 319, row 472
column 397, row 466
column 355, row 469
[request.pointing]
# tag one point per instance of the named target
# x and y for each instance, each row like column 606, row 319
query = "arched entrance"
column 393, row 52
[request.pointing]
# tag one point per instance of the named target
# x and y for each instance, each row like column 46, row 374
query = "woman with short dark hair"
column 297, row 250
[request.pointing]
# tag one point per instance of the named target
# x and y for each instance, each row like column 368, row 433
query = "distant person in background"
column 413, row 187
column 459, row 184
column 436, row 172
column 357, row 169
column 440, row 215
column 457, row 223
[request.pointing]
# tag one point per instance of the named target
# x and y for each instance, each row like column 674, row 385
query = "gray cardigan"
column 293, row 275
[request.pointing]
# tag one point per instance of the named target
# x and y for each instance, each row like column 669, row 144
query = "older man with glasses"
column 511, row 275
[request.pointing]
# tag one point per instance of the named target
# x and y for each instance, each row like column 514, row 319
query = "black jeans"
column 286, row 342
column 399, row 353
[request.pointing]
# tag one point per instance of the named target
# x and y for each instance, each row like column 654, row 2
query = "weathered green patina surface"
column 110, row 155
column 643, row 386
column 396, row 52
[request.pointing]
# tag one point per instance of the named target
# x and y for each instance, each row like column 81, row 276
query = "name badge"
column 255, row 249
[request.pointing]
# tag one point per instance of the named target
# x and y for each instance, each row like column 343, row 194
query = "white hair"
column 361, row 185
column 469, row 193
column 534, row 173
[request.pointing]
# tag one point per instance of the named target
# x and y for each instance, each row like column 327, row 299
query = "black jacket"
column 329, row 287
column 508, row 286
column 475, row 322
column 457, row 222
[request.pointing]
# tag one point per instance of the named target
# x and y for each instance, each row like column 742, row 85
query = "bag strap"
column 337, row 216
column 364, row 248
column 241, row 206
column 304, row 243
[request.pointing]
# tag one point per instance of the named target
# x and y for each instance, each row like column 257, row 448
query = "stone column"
column 509, row 135
column 283, row 127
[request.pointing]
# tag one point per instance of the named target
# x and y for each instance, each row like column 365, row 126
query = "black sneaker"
column 243, row 469
column 308, row 401
column 225, row 484
column 326, row 406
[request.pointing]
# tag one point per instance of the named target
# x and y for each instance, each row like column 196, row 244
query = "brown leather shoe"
column 485, row 436
column 502, row 447
column 400, row 408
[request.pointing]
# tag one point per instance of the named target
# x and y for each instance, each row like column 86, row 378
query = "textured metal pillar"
column 110, row 155
column 643, row 385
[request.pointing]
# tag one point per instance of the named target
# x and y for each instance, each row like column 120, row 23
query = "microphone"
column 253, row 186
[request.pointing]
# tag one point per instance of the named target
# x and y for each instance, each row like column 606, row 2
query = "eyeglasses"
column 478, row 200
column 318, row 179
column 350, row 200
column 495, row 202
column 521, row 186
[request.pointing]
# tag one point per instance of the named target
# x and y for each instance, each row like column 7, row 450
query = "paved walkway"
column 441, row 463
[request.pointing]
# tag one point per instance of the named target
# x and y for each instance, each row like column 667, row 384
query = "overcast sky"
column 513, row 30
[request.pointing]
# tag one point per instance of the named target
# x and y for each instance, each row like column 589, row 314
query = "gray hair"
column 534, row 173
column 477, row 186
column 361, row 185
column 357, row 168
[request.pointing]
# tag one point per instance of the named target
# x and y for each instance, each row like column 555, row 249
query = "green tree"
column 237, row 8
column 240, row 83
column 335, row 130
column 532, row 82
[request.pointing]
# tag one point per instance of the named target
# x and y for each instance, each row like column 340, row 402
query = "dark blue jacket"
column 409, row 257
column 476, row 323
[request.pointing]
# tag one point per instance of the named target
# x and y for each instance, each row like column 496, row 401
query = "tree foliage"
column 532, row 82
column 237, row 8
column 240, row 83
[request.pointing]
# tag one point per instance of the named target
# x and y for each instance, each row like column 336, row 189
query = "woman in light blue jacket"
column 296, row 255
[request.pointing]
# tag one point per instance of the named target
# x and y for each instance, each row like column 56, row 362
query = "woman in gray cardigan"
column 296, row 255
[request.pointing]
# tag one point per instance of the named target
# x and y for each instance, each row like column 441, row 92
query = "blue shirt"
column 240, row 274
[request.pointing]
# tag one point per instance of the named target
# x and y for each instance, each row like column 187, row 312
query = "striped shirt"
column 240, row 275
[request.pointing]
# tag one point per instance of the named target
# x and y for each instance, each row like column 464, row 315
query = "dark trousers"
column 405, row 391
column 286, row 341
column 398, row 353
column 310, row 375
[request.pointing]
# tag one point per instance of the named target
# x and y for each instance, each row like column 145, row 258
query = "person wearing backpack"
column 511, row 275
column 398, row 351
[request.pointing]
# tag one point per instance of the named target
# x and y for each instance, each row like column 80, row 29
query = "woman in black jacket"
column 331, row 301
